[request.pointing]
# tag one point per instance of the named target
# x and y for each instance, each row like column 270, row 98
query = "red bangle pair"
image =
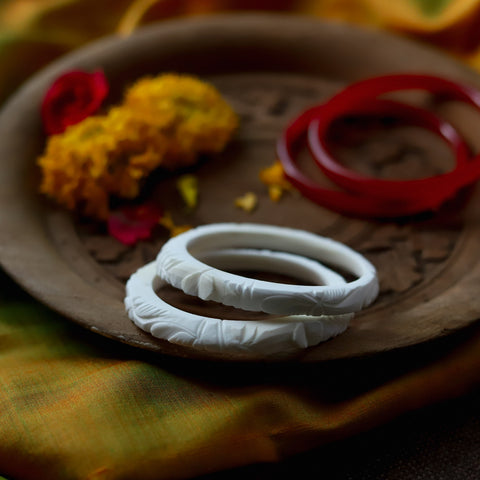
column 367, row 196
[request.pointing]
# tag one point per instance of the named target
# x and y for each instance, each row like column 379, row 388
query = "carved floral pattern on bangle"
column 275, row 337
column 178, row 265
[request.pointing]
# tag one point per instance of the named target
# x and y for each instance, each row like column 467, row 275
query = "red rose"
column 71, row 98
column 130, row 224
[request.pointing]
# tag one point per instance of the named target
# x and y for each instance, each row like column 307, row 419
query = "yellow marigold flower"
column 98, row 157
column 201, row 120
column 164, row 121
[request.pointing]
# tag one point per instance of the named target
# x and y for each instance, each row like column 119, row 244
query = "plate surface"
column 270, row 68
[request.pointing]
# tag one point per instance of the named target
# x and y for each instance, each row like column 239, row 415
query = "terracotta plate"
column 270, row 68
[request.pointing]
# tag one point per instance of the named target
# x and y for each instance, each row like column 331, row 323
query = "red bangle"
column 375, row 86
column 439, row 186
column 352, row 203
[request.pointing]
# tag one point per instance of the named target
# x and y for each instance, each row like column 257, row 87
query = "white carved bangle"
column 178, row 264
column 273, row 337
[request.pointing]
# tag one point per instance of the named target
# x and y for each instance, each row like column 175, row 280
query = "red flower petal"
column 133, row 223
column 72, row 97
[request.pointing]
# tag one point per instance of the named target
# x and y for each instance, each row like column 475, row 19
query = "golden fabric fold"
column 75, row 405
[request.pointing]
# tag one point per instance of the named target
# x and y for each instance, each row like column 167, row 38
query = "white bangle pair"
column 308, row 314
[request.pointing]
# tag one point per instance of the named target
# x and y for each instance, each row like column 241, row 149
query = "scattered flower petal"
column 275, row 192
column 274, row 177
column 247, row 202
column 130, row 224
column 167, row 222
column 187, row 185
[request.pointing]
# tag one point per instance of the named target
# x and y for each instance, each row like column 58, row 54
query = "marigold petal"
column 247, row 202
